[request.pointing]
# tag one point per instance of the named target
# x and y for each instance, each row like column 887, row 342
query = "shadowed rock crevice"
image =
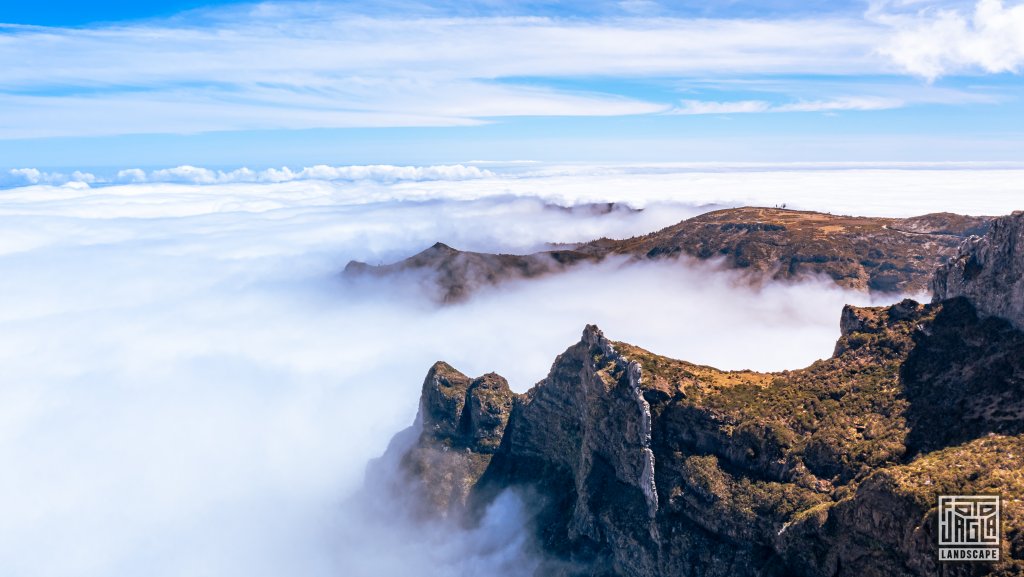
column 988, row 271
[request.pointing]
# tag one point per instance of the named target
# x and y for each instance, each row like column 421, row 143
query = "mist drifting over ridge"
column 190, row 389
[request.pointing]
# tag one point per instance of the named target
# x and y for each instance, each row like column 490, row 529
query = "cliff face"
column 645, row 465
column 459, row 426
column 988, row 272
column 871, row 254
column 648, row 465
column 642, row 465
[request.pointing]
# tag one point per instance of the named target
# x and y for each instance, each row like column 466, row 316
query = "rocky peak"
column 461, row 424
column 442, row 399
column 636, row 464
column 873, row 320
column 593, row 337
column 464, row 413
column 584, row 434
column 989, row 271
column 442, row 248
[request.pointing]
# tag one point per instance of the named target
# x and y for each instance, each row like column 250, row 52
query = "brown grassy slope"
column 863, row 253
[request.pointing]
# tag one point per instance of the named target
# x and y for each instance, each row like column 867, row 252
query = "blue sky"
column 71, row 13
column 118, row 84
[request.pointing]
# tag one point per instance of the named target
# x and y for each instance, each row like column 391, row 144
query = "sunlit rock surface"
column 989, row 270
column 642, row 465
column 864, row 253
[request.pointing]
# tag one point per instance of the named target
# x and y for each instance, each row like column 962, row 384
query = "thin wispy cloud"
column 296, row 66
column 752, row 106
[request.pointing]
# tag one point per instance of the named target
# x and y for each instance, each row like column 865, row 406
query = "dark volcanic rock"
column 876, row 254
column 454, row 274
column 989, row 271
column 641, row 465
column 871, row 254
column 460, row 423
column 644, row 465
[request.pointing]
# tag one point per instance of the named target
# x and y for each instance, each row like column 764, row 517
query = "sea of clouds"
column 189, row 388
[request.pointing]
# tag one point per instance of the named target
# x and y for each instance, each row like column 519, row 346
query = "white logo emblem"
column 969, row 528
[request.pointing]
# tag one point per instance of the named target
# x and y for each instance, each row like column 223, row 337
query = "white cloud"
column 197, row 394
column 753, row 106
column 317, row 51
column 293, row 66
column 840, row 104
column 21, row 176
column 890, row 189
column 382, row 173
column 379, row 173
column 188, row 388
column 328, row 102
column 711, row 107
column 186, row 174
column 131, row 175
column 941, row 41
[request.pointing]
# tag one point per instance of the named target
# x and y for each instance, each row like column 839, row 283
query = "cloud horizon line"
column 189, row 174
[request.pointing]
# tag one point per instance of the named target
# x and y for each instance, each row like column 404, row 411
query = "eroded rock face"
column 641, row 465
column 583, row 435
column 460, row 424
column 989, row 271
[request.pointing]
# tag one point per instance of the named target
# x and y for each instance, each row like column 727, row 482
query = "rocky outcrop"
column 636, row 464
column 870, row 254
column 863, row 253
column 989, row 271
column 460, row 424
column 642, row 465
column 584, row 434
column 451, row 275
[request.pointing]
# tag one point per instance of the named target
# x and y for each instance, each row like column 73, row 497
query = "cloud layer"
column 316, row 65
column 752, row 106
column 890, row 189
column 189, row 388
column 187, row 174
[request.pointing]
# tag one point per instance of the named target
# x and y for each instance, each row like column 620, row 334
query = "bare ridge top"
column 887, row 255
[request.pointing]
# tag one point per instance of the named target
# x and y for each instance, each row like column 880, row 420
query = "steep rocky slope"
column 876, row 254
column 452, row 275
column 642, row 465
column 987, row 272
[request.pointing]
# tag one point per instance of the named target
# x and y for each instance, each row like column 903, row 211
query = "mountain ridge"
column 863, row 253
column 639, row 464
